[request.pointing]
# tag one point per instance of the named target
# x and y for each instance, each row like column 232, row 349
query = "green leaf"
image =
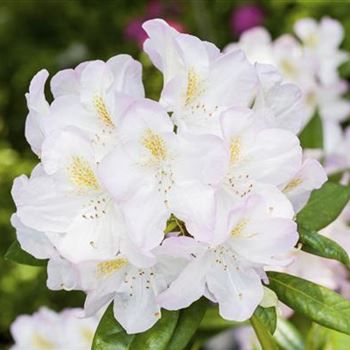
column 265, row 338
column 287, row 336
column 110, row 335
column 337, row 340
column 337, row 176
column 312, row 134
column 17, row 254
column 324, row 206
column 158, row 337
column 187, row 324
column 321, row 338
column 316, row 338
column 213, row 321
column 318, row 303
column 267, row 317
column 320, row 245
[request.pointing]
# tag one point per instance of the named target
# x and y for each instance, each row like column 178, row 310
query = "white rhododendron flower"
column 46, row 329
column 310, row 176
column 133, row 289
column 278, row 103
column 199, row 81
column 310, row 64
column 229, row 268
column 218, row 156
column 254, row 155
column 322, row 40
column 92, row 97
column 163, row 170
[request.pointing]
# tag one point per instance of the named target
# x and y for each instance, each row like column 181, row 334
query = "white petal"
column 238, row 292
column 188, row 287
column 127, row 75
column 194, row 204
column 136, row 310
column 232, row 80
column 34, row 242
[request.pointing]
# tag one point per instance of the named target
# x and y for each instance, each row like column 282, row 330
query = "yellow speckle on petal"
column 311, row 41
column 108, row 267
column 87, row 334
column 237, row 230
column 102, row 111
column 292, row 185
column 235, row 150
column 193, row 89
column 311, row 98
column 288, row 68
column 82, row 175
column 39, row 342
column 155, row 144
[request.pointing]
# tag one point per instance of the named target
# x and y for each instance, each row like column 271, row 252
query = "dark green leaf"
column 213, row 321
column 336, row 177
column 324, row 206
column 312, row 134
column 187, row 324
column 110, row 335
column 287, row 336
column 17, row 254
column 265, row 338
column 158, row 337
column 320, row 245
column 267, row 317
column 318, row 303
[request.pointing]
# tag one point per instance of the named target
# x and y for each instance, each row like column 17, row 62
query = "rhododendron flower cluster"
column 46, row 329
column 217, row 155
column 310, row 59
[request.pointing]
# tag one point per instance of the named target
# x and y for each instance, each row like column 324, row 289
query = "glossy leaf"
column 213, row 321
column 324, row 206
column 318, row 303
column 158, row 337
column 320, row 245
column 267, row 317
column 287, row 336
column 110, row 335
column 265, row 338
column 312, row 134
column 17, row 254
column 337, row 340
column 187, row 324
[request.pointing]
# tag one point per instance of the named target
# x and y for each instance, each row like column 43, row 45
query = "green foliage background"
column 57, row 34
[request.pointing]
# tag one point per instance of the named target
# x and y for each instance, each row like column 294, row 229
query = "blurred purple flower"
column 154, row 9
column 133, row 30
column 245, row 17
